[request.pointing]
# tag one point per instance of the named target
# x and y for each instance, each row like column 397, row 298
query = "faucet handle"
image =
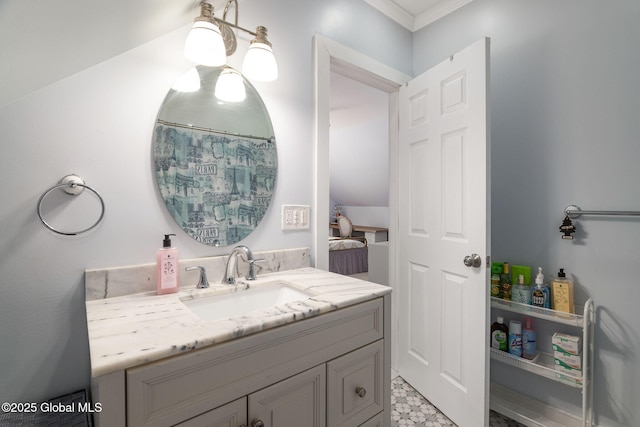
column 251, row 275
column 202, row 282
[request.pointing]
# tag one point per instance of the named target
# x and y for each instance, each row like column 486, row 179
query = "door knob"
column 361, row 391
column 257, row 423
column 473, row 260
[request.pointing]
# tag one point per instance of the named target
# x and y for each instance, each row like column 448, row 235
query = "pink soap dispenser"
column 167, row 267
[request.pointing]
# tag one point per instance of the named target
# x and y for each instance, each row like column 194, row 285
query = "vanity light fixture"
column 259, row 63
column 211, row 40
column 230, row 86
column 204, row 44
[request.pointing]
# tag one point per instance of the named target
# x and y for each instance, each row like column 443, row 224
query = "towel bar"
column 573, row 212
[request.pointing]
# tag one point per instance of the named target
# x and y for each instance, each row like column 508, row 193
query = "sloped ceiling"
column 40, row 42
column 45, row 41
column 359, row 146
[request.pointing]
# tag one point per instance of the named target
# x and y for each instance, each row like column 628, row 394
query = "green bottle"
column 506, row 282
column 499, row 335
column 496, row 270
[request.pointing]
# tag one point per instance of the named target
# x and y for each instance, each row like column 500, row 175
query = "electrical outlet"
column 295, row 217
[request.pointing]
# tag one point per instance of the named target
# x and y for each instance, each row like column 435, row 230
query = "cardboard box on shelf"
column 567, row 344
column 567, row 361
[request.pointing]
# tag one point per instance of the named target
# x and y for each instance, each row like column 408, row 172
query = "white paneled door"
column 444, row 193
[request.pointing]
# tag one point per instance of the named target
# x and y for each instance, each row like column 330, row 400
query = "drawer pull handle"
column 257, row 423
column 361, row 391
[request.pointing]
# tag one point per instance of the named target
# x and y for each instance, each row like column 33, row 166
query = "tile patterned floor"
column 411, row 409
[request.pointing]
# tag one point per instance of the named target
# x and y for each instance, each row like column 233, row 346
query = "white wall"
column 98, row 123
column 564, row 122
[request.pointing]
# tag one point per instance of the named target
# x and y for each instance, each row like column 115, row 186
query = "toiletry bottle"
column 528, row 339
column 515, row 338
column 499, row 334
column 540, row 292
column 505, row 281
column 562, row 292
column 496, row 270
column 521, row 292
column 167, row 267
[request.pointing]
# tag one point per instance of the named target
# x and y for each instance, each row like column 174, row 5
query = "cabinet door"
column 355, row 386
column 232, row 414
column 297, row 401
column 377, row 421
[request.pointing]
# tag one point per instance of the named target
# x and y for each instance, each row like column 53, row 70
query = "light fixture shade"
column 259, row 63
column 230, row 86
column 188, row 82
column 204, row 45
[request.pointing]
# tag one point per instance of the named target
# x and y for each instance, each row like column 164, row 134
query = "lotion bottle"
column 562, row 290
column 521, row 293
column 167, row 267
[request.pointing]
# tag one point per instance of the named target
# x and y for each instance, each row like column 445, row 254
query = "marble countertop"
column 131, row 330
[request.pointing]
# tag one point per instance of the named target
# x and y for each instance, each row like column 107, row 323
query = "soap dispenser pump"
column 167, row 267
column 540, row 293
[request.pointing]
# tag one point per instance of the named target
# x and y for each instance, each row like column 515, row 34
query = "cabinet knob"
column 257, row 423
column 361, row 391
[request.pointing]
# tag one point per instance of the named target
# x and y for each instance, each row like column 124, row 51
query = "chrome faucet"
column 202, row 281
column 231, row 271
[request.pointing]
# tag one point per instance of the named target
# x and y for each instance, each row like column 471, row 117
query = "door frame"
column 330, row 56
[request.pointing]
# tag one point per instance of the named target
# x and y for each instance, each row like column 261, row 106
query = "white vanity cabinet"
column 328, row 370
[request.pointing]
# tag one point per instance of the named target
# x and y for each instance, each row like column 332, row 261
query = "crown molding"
column 394, row 12
column 436, row 12
column 414, row 23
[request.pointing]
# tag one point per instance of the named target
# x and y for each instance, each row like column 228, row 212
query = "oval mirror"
column 215, row 161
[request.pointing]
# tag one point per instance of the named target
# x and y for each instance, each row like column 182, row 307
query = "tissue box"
column 569, row 376
column 566, row 344
column 565, row 361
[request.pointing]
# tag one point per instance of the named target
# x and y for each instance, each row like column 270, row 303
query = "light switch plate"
column 295, row 217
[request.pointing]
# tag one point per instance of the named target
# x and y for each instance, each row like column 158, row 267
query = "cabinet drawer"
column 177, row 389
column 355, row 382
column 230, row 415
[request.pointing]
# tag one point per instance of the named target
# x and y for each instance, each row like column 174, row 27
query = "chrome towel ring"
column 74, row 186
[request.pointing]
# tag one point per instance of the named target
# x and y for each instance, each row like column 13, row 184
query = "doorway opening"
column 331, row 57
column 359, row 180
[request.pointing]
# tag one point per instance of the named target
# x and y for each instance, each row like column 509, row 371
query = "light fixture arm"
column 226, row 9
column 223, row 22
column 228, row 36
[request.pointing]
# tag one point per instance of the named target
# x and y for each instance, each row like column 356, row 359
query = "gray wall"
column 565, row 106
column 97, row 122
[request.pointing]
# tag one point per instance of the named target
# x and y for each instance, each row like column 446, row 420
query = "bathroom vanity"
column 323, row 360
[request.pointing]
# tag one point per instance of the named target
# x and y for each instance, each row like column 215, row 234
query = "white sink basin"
column 223, row 306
